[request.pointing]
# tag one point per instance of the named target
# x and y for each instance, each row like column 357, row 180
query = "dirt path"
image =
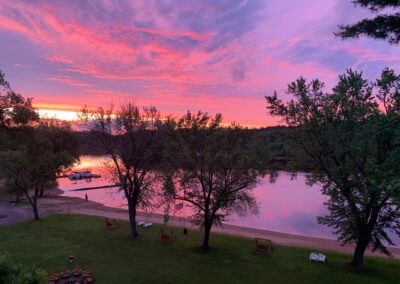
column 72, row 205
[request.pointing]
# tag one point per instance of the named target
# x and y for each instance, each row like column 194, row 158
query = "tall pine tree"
column 385, row 25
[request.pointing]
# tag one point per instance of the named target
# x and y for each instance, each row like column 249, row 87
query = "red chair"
column 167, row 235
column 263, row 246
column 110, row 224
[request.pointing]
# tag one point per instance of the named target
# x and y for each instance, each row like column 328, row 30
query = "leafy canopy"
column 15, row 110
column 351, row 137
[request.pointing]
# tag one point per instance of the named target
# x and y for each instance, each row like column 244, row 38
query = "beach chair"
column 317, row 257
column 263, row 246
column 110, row 224
column 147, row 225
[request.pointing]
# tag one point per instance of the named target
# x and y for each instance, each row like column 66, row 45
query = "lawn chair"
column 167, row 235
column 317, row 257
column 147, row 225
column 110, row 224
column 263, row 246
column 140, row 223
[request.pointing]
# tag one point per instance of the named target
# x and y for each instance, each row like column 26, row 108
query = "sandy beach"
column 57, row 204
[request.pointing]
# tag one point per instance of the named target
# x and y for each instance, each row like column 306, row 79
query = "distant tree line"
column 272, row 139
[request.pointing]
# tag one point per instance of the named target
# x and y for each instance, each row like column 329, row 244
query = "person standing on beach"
column 86, row 197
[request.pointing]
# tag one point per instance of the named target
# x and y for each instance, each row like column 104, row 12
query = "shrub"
column 14, row 273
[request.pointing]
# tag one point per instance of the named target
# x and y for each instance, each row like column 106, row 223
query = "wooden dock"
column 95, row 187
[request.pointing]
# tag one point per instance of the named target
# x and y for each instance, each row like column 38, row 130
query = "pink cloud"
column 219, row 57
column 67, row 80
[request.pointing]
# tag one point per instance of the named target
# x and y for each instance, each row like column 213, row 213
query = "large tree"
column 130, row 137
column 384, row 26
column 31, row 163
column 214, row 168
column 351, row 138
column 30, row 156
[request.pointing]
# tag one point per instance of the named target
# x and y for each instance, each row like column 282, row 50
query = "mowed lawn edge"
column 115, row 258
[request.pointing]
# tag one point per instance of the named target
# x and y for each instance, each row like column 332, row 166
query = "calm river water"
column 287, row 205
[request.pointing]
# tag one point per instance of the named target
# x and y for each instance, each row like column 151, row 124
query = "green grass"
column 114, row 258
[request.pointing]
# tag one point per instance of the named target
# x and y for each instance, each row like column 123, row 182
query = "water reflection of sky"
column 288, row 205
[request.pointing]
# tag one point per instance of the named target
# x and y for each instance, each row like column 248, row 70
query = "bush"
column 14, row 273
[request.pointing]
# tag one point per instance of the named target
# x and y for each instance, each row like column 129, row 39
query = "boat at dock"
column 78, row 175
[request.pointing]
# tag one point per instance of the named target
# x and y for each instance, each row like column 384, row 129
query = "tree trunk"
column 358, row 257
column 41, row 192
column 33, row 202
column 206, row 237
column 132, row 219
column 364, row 240
column 17, row 200
column 35, row 208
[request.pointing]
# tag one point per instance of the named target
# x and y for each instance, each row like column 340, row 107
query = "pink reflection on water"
column 288, row 205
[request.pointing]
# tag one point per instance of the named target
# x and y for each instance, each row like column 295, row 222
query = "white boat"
column 81, row 175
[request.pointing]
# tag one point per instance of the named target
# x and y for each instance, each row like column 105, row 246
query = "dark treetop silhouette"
column 383, row 26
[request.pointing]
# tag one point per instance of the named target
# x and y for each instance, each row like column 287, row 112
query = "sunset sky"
column 215, row 56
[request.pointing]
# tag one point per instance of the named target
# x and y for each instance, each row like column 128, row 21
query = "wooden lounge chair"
column 110, row 224
column 263, row 246
column 167, row 235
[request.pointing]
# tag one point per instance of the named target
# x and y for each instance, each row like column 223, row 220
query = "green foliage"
column 32, row 159
column 352, row 138
column 14, row 273
column 15, row 110
column 215, row 168
column 384, row 26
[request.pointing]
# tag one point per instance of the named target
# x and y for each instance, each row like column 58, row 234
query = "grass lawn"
column 114, row 258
